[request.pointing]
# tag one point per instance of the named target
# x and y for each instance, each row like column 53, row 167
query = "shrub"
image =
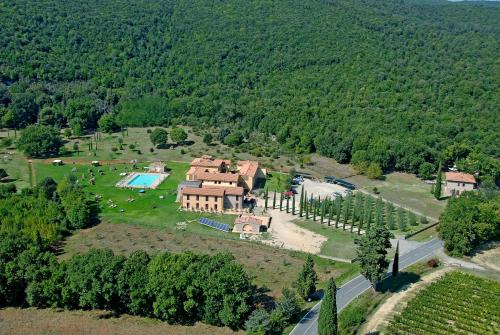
column 114, row 149
column 432, row 263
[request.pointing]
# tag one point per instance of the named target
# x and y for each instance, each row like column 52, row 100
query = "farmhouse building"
column 217, row 186
column 457, row 182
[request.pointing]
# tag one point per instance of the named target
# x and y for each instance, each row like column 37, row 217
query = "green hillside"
column 391, row 82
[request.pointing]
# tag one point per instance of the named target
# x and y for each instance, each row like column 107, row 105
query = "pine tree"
column 437, row 187
column 327, row 320
column 274, row 200
column 307, row 279
column 372, row 251
column 395, row 263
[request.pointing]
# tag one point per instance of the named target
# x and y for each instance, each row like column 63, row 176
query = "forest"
column 394, row 83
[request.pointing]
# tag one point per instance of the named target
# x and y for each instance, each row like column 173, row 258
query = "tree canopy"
column 40, row 141
column 423, row 73
column 468, row 220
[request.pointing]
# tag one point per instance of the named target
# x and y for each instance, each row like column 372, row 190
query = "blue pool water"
column 143, row 180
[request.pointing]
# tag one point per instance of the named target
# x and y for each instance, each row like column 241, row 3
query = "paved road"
column 352, row 289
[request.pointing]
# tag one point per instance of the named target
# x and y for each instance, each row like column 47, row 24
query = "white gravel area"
column 322, row 189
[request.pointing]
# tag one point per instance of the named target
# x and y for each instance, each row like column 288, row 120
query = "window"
column 187, row 204
column 206, row 206
column 187, row 197
column 216, row 198
column 237, row 205
column 230, row 183
column 197, row 197
column 215, row 206
column 206, row 198
column 237, row 198
column 197, row 205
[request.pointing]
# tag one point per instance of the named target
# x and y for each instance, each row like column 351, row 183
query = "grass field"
column 456, row 304
column 147, row 209
column 149, row 223
column 405, row 190
column 339, row 244
column 32, row 321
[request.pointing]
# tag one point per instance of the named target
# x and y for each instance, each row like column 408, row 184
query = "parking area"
column 322, row 189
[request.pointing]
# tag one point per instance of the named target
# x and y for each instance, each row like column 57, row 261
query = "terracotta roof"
column 216, row 176
column 208, row 161
column 234, row 190
column 461, row 177
column 248, row 168
column 215, row 191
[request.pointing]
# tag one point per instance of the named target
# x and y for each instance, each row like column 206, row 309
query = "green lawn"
column 147, row 210
column 405, row 190
column 339, row 244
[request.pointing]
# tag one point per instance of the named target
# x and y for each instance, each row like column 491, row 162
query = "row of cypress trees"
column 358, row 211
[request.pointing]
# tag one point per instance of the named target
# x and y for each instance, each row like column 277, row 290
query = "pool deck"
column 124, row 183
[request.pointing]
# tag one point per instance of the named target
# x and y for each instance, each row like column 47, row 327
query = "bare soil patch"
column 286, row 234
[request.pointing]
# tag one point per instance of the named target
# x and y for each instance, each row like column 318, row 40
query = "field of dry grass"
column 271, row 267
column 31, row 321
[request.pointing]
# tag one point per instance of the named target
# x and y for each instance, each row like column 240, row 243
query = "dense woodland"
column 393, row 83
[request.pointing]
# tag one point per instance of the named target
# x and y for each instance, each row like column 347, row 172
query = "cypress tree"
column 288, row 204
column 327, row 320
column 437, row 187
column 293, row 204
column 360, row 225
column 401, row 219
column 306, row 206
column 395, row 263
column 265, row 199
column 274, row 200
column 301, row 203
column 338, row 209
column 330, row 212
column 323, row 211
column 315, row 205
column 347, row 208
column 281, row 201
column 390, row 217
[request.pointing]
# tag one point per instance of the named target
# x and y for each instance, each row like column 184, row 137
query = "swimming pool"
column 145, row 180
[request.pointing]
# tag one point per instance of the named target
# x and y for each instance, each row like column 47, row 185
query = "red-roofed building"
column 457, row 182
column 220, row 188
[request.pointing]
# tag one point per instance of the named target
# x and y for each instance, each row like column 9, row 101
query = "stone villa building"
column 457, row 182
column 212, row 185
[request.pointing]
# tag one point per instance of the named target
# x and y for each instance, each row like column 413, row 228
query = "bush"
column 159, row 137
column 114, row 149
column 374, row 171
column 433, row 263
